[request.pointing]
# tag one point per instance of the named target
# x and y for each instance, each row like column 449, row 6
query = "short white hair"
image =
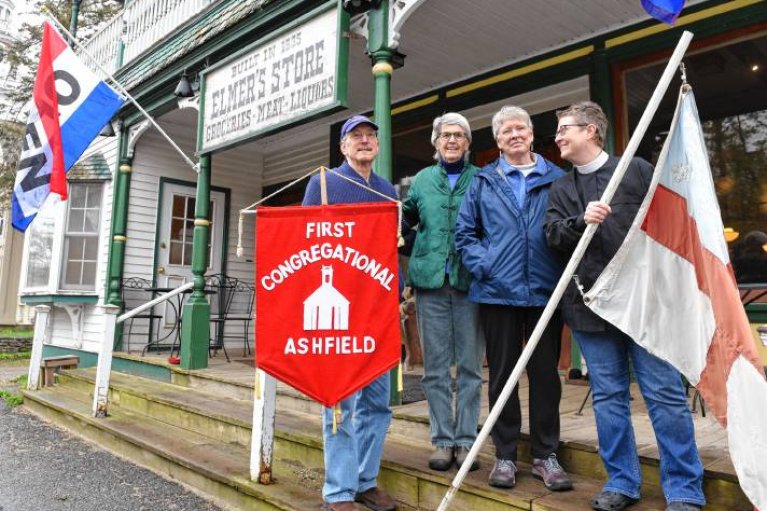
column 450, row 119
column 510, row 112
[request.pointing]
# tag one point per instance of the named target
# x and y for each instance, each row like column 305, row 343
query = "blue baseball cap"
column 355, row 121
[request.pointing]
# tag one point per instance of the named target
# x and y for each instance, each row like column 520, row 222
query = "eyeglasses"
column 355, row 135
column 561, row 130
column 458, row 136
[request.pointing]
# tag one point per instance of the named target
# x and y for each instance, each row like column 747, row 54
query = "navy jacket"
column 503, row 245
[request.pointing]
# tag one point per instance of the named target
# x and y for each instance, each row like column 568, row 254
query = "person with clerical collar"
column 447, row 321
column 353, row 452
column 500, row 237
column 574, row 202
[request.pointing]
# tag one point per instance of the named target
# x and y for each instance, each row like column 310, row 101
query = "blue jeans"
column 353, row 453
column 607, row 357
column 448, row 324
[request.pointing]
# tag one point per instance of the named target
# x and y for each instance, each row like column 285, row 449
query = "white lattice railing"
column 104, row 45
column 140, row 25
column 148, row 21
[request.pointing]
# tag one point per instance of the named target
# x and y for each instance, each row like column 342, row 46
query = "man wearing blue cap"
column 353, row 452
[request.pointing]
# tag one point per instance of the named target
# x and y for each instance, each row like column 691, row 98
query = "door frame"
column 227, row 207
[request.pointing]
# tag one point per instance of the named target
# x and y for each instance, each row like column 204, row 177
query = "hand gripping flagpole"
column 556, row 296
column 125, row 93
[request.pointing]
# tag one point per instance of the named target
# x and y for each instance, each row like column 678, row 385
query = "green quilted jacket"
column 433, row 207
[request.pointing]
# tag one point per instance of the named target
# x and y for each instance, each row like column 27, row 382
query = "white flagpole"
column 556, row 296
column 125, row 93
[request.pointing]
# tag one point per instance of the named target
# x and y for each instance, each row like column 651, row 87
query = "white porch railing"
column 264, row 396
column 140, row 25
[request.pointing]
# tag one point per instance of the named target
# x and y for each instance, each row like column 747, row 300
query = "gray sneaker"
column 441, row 458
column 503, row 475
column 461, row 453
column 551, row 473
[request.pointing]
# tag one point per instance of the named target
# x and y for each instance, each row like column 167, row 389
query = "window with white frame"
column 81, row 239
column 63, row 242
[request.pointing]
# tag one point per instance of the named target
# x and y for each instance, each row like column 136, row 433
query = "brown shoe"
column 346, row 505
column 377, row 500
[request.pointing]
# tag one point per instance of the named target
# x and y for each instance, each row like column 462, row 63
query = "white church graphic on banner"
column 326, row 308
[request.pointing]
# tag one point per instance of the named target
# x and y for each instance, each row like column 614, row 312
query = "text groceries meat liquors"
column 329, row 251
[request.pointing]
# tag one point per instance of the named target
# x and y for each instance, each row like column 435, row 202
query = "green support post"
column 602, row 93
column 73, row 18
column 195, row 324
column 118, row 234
column 378, row 48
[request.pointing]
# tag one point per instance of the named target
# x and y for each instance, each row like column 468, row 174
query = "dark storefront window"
column 730, row 86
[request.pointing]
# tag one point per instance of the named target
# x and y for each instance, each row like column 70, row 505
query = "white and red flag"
column 671, row 288
column 70, row 106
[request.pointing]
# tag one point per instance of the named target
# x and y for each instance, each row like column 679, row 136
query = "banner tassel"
column 239, row 233
column 337, row 417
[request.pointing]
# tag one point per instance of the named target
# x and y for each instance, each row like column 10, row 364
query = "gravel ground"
column 44, row 468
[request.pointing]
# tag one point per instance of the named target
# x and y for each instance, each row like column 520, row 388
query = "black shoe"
column 612, row 501
column 441, row 458
column 461, row 453
column 503, row 475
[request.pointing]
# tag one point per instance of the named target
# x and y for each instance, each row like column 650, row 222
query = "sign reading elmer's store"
column 293, row 76
column 327, row 319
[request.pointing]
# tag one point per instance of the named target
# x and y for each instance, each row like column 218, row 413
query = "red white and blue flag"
column 666, row 11
column 672, row 289
column 70, row 106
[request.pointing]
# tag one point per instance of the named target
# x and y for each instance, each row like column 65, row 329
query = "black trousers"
column 506, row 329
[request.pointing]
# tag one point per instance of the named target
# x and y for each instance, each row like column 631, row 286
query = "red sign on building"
column 327, row 320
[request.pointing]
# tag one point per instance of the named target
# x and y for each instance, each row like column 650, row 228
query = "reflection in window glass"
column 40, row 249
column 182, row 231
column 729, row 85
column 82, row 235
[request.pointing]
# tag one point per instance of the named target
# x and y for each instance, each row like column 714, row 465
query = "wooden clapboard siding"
column 299, row 157
column 154, row 158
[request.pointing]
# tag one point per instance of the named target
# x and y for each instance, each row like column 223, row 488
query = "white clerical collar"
column 594, row 164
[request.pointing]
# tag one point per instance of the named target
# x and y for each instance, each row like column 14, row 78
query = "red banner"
column 327, row 320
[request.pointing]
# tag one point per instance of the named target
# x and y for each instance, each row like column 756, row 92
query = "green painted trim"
column 757, row 312
column 600, row 86
column 119, row 364
column 195, row 325
column 144, row 369
column 342, row 59
column 50, row 298
column 192, row 184
column 87, row 358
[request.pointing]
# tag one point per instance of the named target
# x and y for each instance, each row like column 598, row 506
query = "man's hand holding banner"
column 326, row 296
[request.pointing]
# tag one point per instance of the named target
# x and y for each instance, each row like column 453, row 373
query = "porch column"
column 600, row 83
column 195, row 324
column 378, row 48
column 118, row 231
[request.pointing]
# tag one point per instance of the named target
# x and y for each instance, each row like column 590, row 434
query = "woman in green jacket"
column 447, row 321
